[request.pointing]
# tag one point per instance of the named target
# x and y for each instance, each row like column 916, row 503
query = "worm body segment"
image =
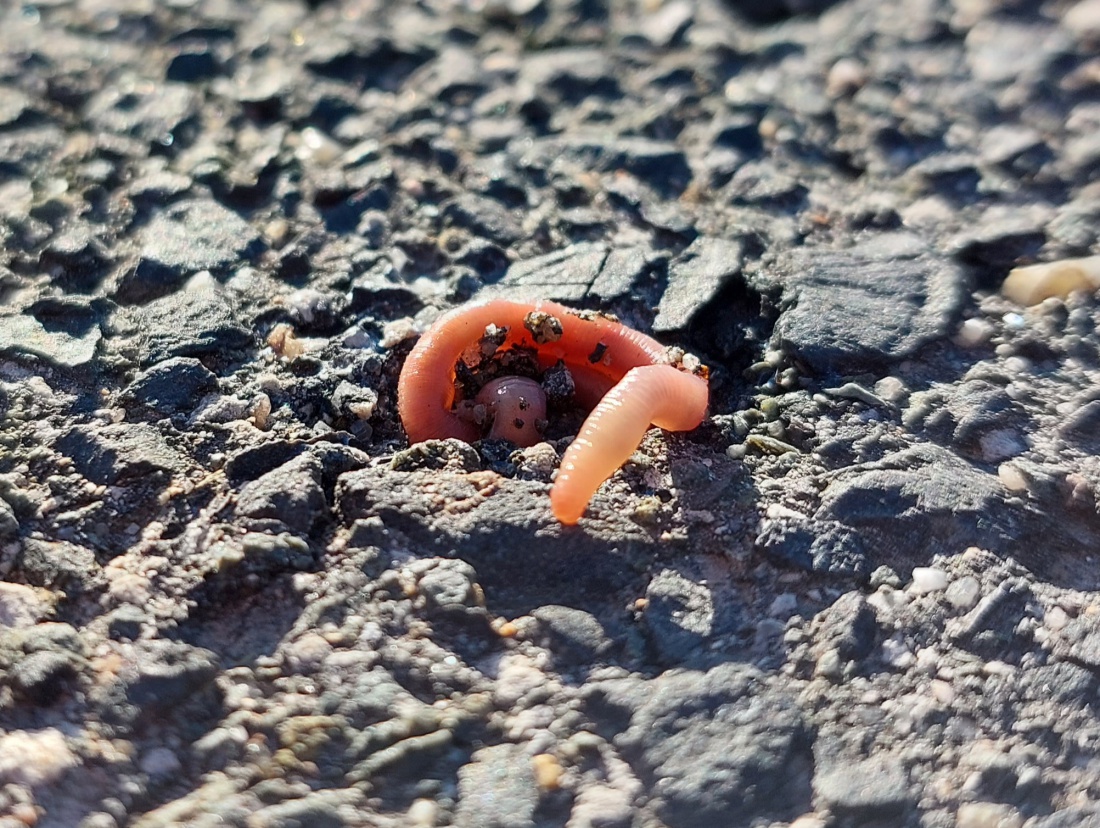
column 518, row 406
column 657, row 394
column 625, row 374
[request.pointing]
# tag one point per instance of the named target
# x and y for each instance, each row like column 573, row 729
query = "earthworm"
column 518, row 405
column 629, row 377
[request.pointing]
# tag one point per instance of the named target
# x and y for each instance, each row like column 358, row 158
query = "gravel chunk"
column 71, row 344
column 573, row 636
column 497, row 789
column 290, row 494
column 115, row 453
column 488, row 531
column 35, row 757
column 20, row 606
column 196, row 323
column 188, row 237
column 695, row 278
column 925, row 500
column 863, row 790
column 876, row 302
column 680, row 616
column 155, row 679
column 174, row 385
column 711, row 747
column 577, row 274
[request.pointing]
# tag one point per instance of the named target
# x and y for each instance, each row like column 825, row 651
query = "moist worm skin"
column 599, row 352
column 652, row 394
column 518, row 405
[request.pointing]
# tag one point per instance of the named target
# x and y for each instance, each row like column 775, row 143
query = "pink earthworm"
column 629, row 377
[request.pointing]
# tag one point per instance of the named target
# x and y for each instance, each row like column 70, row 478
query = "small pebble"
column 896, row 653
column 974, row 333
column 316, row 147
column 927, row 579
column 1055, row 619
column 1012, row 478
column 33, row 757
column 398, row 331
column 943, row 692
column 928, row 660
column 885, row 600
column 892, row 389
column 845, row 77
column 261, row 410
column 423, row 813
column 548, row 771
column 1032, row 284
column 829, row 665
column 963, row 593
column 987, row 815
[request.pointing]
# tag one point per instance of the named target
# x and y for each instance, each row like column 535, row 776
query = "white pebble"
column 32, row 757
column 1012, row 478
column 316, row 147
column 423, row 813
column 974, row 332
column 808, row 821
column 885, row 600
column 845, row 76
column 987, row 815
column 829, row 666
column 1055, row 619
column 260, row 410
column 963, row 593
column 892, row 390
column 201, row 282
column 20, row 605
column 397, row 331
column 927, row 579
column 943, row 692
column 896, row 653
column 928, row 660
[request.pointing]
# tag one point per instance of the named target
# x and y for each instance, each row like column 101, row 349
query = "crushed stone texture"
column 863, row 593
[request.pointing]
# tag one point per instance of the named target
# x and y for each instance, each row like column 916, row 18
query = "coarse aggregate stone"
column 863, row 593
